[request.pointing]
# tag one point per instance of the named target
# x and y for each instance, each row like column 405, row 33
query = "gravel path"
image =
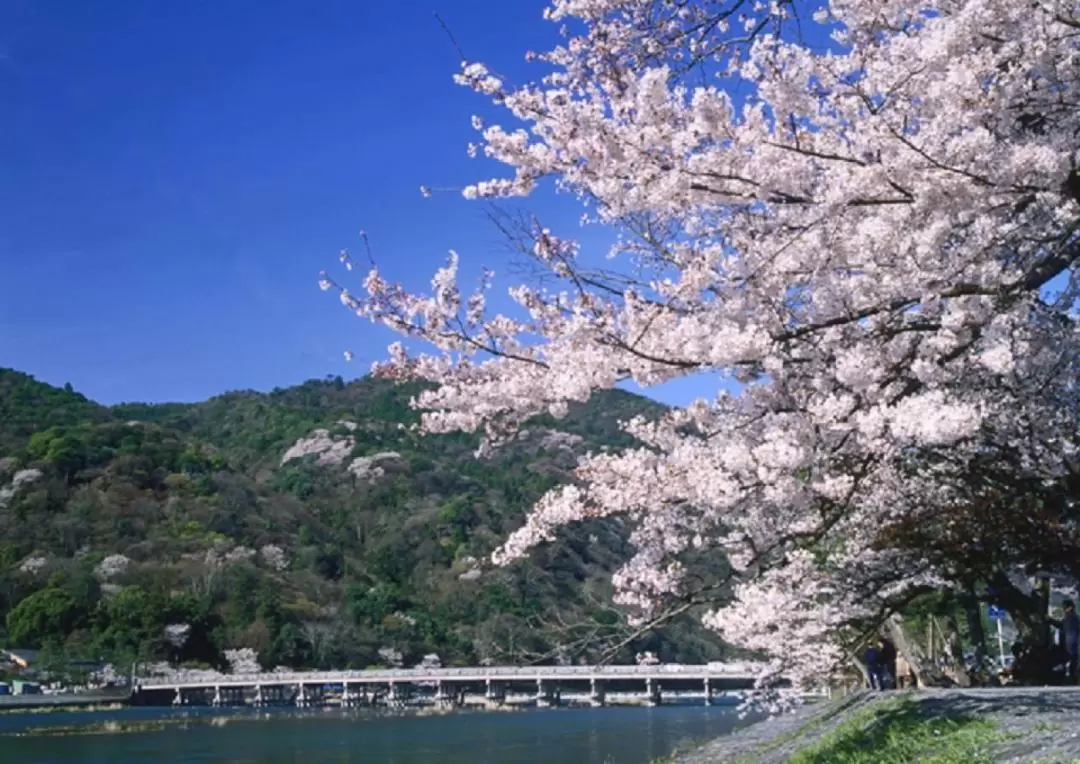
column 1042, row 725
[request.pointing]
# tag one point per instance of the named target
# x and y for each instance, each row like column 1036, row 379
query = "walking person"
column 873, row 666
column 1069, row 629
column 887, row 658
column 904, row 674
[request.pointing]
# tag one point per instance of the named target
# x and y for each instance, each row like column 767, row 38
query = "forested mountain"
column 309, row 523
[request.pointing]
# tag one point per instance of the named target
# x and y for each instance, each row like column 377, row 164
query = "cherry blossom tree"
column 861, row 217
column 242, row 660
column 176, row 634
column 391, row 657
column 112, row 566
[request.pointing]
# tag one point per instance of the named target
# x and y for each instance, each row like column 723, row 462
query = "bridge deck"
column 463, row 675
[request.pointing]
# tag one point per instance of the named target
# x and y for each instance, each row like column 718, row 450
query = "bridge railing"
column 479, row 672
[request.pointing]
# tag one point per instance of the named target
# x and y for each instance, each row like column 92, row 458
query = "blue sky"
column 177, row 172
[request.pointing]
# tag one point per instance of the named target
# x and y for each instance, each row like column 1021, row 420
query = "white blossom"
column 374, row 466
column 19, row 480
column 243, row 660
column 112, row 566
column 221, row 556
column 274, row 557
column 391, row 658
column 329, row 449
column 856, row 242
column 25, row 477
column 33, row 565
column 430, row 661
column 107, row 675
column 176, row 634
column 239, row 554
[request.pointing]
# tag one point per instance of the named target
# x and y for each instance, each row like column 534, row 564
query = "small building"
column 25, row 688
column 22, row 659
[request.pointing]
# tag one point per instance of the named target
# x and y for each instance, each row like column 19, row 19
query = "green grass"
column 832, row 710
column 896, row 732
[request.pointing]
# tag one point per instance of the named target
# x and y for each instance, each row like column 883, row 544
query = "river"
column 615, row 735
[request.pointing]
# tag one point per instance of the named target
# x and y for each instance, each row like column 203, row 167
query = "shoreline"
column 963, row 725
column 206, row 716
column 21, row 704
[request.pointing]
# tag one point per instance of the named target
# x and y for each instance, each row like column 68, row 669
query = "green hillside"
column 116, row 522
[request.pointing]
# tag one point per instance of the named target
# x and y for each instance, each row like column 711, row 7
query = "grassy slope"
column 897, row 732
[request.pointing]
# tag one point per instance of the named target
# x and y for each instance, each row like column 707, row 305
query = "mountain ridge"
column 118, row 521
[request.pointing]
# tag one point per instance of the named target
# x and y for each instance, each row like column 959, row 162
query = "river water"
column 614, row 735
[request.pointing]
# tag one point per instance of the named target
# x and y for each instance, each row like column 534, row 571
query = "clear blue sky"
column 175, row 173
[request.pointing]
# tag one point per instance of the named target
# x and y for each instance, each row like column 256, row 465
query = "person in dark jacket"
column 1070, row 639
column 873, row 666
column 887, row 657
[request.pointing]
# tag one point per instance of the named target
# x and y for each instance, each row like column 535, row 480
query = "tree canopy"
column 867, row 214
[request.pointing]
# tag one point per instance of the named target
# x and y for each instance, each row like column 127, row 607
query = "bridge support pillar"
column 652, row 691
column 708, row 692
column 597, row 694
column 445, row 695
column 179, row 699
column 547, row 694
column 398, row 696
column 219, row 699
column 494, row 692
column 351, row 698
column 306, row 696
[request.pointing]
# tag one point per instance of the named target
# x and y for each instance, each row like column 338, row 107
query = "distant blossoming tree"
column 176, row 634
column 274, row 557
column 866, row 216
column 391, row 658
column 33, row 565
column 238, row 555
column 430, row 661
column 112, row 566
column 242, row 660
column 107, row 675
column 19, row 481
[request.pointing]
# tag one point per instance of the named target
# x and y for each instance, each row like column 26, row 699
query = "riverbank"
column 189, row 718
column 86, row 701
column 974, row 726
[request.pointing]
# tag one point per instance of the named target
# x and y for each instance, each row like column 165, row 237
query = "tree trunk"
column 926, row 673
column 954, row 652
column 973, row 616
column 1030, row 614
column 860, row 666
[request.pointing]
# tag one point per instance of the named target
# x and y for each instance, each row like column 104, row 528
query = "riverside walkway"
column 543, row 685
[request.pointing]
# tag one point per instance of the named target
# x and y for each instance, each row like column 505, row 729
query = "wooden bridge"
column 494, row 685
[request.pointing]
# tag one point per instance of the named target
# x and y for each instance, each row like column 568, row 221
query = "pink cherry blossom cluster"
column 876, row 238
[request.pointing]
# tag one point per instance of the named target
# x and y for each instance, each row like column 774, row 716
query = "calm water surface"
column 575, row 736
